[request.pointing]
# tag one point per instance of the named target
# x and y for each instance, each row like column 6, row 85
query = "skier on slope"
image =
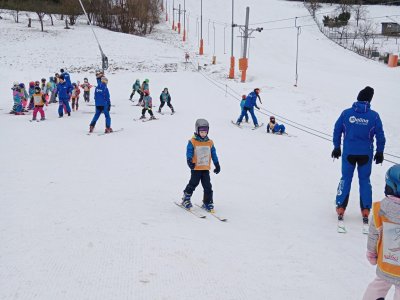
column 75, row 96
column 359, row 124
column 199, row 153
column 17, row 96
column 251, row 102
column 165, row 97
column 103, row 105
column 274, row 127
column 145, row 87
column 39, row 100
column 384, row 240
column 86, row 86
column 64, row 94
column 147, row 105
column 242, row 103
column 135, row 89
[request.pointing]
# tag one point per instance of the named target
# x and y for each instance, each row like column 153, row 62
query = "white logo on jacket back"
column 358, row 121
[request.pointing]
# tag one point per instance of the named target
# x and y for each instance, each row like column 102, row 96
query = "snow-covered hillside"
column 92, row 217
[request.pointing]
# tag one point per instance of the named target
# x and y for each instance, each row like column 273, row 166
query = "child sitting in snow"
column 39, row 100
column 274, row 127
column 383, row 246
column 199, row 153
column 75, row 96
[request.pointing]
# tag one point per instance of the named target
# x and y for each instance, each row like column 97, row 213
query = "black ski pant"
column 168, row 104
column 204, row 177
column 141, row 95
column 86, row 96
column 147, row 109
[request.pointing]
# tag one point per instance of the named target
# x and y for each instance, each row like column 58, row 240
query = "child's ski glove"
column 191, row 164
column 217, row 168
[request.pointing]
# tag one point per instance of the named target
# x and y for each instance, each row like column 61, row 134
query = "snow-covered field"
column 92, row 217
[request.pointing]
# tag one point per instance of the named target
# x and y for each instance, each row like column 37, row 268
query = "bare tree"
column 360, row 12
column 366, row 31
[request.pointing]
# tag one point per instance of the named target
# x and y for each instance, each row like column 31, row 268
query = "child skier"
column 39, row 100
column 246, row 116
column 24, row 97
column 165, row 97
column 51, row 88
column 30, row 94
column 135, row 88
column 275, row 127
column 147, row 105
column 86, row 86
column 17, row 96
column 384, row 240
column 145, row 87
column 199, row 153
column 103, row 104
column 75, row 96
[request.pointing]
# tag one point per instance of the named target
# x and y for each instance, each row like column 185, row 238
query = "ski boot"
column 42, row 119
column 186, row 201
column 142, row 117
column 238, row 123
column 172, row 111
column 208, row 207
column 108, row 130
column 256, row 126
column 365, row 214
column 91, row 128
column 159, row 110
column 152, row 118
column 69, row 114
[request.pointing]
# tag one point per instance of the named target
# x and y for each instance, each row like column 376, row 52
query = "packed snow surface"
column 92, row 217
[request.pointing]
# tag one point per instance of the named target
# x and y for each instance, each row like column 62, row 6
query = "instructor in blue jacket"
column 359, row 125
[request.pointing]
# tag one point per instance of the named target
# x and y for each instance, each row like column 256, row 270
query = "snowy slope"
column 91, row 217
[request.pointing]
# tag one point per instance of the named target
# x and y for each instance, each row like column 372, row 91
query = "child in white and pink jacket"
column 383, row 248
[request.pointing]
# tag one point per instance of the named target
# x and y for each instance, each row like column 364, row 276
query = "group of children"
column 247, row 104
column 146, row 101
column 41, row 93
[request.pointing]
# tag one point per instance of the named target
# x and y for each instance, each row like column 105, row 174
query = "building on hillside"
column 390, row 28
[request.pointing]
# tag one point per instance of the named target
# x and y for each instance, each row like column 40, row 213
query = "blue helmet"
column 393, row 181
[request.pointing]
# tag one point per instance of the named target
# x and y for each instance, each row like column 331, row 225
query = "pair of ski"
column 241, row 127
column 146, row 120
column 200, row 214
column 341, row 228
column 103, row 133
column 37, row 120
column 161, row 113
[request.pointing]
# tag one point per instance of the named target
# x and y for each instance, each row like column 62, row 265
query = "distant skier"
column 383, row 246
column 75, row 96
column 251, row 102
column 31, row 91
column 147, row 105
column 86, row 86
column 39, row 101
column 51, row 87
column 165, row 97
column 135, row 89
column 64, row 94
column 24, row 97
column 274, row 127
column 103, row 105
column 200, row 151
column 242, row 103
column 17, row 98
column 358, row 124
column 145, row 87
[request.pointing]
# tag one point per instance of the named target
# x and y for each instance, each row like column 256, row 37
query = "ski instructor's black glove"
column 336, row 153
column 191, row 164
column 217, row 168
column 378, row 158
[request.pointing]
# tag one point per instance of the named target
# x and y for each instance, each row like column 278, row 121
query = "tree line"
column 128, row 16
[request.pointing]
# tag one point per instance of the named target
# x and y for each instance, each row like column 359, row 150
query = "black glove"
column 378, row 158
column 191, row 164
column 217, row 168
column 336, row 153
